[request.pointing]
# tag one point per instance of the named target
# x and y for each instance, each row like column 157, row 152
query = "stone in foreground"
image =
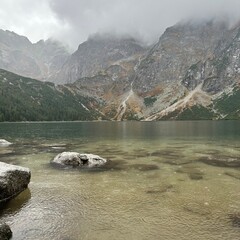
column 5, row 231
column 13, row 180
column 75, row 159
column 4, row 143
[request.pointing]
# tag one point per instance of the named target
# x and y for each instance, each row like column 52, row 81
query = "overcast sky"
column 72, row 21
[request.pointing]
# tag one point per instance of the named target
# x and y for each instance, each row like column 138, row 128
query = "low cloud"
column 145, row 19
column 73, row 21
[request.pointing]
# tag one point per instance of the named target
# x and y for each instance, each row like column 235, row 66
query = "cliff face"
column 192, row 72
column 222, row 69
column 40, row 60
column 189, row 65
column 181, row 49
column 97, row 54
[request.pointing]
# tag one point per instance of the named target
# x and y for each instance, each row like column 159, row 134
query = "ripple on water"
column 144, row 192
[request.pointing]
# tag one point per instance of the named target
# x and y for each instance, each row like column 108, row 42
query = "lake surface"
column 166, row 180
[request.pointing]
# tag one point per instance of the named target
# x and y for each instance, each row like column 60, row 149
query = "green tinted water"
column 164, row 181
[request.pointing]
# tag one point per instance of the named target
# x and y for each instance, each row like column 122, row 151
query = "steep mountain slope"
column 180, row 47
column 39, row 60
column 180, row 77
column 97, row 54
column 193, row 72
column 25, row 99
column 50, row 56
column 189, row 65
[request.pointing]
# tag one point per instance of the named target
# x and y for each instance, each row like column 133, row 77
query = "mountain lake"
column 168, row 180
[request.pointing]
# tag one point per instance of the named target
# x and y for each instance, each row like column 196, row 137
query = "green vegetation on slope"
column 197, row 112
column 149, row 101
column 25, row 99
column 229, row 104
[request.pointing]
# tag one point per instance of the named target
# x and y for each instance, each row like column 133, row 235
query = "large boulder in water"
column 13, row 180
column 5, row 232
column 4, row 143
column 80, row 160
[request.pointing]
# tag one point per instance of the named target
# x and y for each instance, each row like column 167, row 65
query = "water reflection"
column 15, row 205
column 122, row 130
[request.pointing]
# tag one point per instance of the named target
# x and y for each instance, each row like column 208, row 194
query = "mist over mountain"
column 73, row 22
column 39, row 60
column 191, row 72
column 98, row 53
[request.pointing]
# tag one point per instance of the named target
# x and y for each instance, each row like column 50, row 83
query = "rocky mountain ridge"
column 190, row 66
column 190, row 71
column 191, row 63
column 37, row 60
column 97, row 54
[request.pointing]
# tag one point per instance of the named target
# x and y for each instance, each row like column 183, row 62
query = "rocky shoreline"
column 5, row 231
column 13, row 180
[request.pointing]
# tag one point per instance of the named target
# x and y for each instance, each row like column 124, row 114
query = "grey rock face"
column 40, row 60
column 190, row 65
column 96, row 54
column 13, row 180
column 51, row 55
column 5, row 231
column 180, row 55
column 220, row 71
column 75, row 159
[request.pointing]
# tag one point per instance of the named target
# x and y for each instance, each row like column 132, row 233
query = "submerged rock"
column 144, row 167
column 198, row 208
column 233, row 174
column 75, row 159
column 5, row 231
column 235, row 219
column 177, row 161
column 193, row 172
column 4, row 143
column 13, row 180
column 221, row 161
column 161, row 189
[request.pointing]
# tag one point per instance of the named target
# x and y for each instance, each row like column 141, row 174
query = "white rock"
column 13, row 180
column 4, row 143
column 76, row 159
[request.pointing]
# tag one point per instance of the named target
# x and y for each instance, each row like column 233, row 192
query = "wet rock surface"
column 78, row 160
column 13, row 180
column 5, row 231
column 4, row 143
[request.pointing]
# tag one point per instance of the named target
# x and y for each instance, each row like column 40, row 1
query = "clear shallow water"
column 160, row 183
